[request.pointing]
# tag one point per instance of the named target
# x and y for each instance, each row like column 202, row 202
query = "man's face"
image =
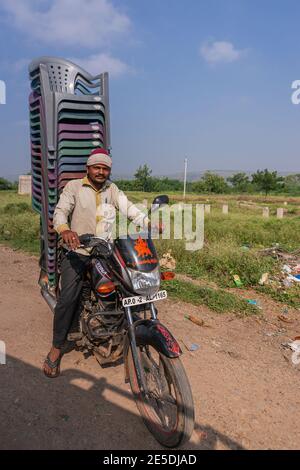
column 99, row 173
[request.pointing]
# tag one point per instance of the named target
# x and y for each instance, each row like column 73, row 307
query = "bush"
column 5, row 184
column 21, row 226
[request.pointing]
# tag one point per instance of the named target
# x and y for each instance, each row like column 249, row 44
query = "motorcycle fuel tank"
column 138, row 252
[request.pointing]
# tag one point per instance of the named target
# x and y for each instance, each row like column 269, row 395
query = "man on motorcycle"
column 79, row 211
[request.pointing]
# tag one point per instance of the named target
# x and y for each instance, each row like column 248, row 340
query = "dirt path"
column 246, row 389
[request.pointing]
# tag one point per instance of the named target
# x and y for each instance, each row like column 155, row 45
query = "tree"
column 198, row 187
column 240, row 182
column 126, row 185
column 210, row 183
column 291, row 183
column 5, row 184
column 214, row 183
column 166, row 184
column 266, row 180
column 143, row 178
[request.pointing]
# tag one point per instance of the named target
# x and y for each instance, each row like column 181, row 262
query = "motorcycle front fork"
column 136, row 358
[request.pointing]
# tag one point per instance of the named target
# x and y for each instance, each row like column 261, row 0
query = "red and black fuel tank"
column 138, row 252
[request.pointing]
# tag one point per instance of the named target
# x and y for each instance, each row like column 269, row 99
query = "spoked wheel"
column 168, row 410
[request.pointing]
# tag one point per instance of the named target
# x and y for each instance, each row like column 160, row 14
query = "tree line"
column 262, row 181
column 5, row 184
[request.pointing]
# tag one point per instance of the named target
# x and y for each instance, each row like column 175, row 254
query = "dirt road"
column 245, row 387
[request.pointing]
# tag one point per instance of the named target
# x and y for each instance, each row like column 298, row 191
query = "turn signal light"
column 106, row 288
column 167, row 275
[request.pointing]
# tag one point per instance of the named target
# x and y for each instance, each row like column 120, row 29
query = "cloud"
column 86, row 23
column 220, row 52
column 98, row 63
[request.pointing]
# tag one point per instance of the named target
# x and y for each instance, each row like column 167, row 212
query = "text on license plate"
column 139, row 299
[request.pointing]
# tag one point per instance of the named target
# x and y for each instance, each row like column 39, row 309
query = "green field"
column 233, row 242
column 19, row 224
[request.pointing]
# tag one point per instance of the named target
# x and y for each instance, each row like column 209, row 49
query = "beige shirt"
column 83, row 209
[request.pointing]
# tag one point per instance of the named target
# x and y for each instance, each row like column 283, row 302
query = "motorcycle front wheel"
column 168, row 410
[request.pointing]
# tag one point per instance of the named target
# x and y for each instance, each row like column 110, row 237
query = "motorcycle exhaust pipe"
column 50, row 299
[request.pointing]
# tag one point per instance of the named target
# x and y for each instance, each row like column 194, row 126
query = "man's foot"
column 51, row 366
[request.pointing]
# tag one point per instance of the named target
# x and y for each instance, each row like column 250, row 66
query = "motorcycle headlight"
column 145, row 283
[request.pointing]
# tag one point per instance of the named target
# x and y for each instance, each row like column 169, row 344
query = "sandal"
column 53, row 365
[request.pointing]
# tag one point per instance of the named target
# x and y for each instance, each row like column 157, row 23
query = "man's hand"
column 156, row 227
column 71, row 239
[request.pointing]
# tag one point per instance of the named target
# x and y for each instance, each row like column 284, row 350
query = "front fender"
column 155, row 334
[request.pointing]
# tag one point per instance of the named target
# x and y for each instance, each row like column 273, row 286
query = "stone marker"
column 266, row 212
column 279, row 213
column 207, row 208
column 225, row 209
column 24, row 184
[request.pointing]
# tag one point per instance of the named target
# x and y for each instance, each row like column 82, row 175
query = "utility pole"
column 184, row 181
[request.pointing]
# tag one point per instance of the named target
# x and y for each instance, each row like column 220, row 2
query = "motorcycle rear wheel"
column 168, row 413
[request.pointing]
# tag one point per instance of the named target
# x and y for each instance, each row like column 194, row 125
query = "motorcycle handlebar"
column 88, row 237
column 85, row 238
column 85, row 241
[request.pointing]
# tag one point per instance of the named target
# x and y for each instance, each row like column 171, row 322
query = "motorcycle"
column 119, row 320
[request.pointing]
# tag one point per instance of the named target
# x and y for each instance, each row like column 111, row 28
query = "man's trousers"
column 73, row 268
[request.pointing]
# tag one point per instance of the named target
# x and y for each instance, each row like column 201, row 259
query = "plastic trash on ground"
column 168, row 261
column 197, row 321
column 237, row 280
column 264, row 279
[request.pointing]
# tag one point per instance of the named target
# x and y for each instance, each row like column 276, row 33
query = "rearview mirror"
column 160, row 200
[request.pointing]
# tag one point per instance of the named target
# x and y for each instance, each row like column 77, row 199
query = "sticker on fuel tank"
column 100, row 268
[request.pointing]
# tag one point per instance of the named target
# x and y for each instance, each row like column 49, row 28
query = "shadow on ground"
column 74, row 412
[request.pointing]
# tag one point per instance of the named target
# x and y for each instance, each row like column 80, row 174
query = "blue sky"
column 206, row 79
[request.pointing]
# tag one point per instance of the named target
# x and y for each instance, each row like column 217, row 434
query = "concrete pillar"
column 225, row 209
column 24, row 184
column 279, row 213
column 207, row 208
column 266, row 212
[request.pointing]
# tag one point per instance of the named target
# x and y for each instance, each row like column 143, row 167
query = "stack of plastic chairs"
column 69, row 116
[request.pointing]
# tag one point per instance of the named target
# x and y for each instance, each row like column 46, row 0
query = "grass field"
column 232, row 245
column 19, row 224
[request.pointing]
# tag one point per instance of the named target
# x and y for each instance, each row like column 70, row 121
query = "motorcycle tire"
column 174, row 392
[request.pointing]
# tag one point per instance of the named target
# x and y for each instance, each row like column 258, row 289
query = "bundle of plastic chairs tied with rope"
column 69, row 116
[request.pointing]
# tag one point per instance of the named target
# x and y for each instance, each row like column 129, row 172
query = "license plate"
column 139, row 299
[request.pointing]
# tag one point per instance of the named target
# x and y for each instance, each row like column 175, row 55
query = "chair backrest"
column 66, row 77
